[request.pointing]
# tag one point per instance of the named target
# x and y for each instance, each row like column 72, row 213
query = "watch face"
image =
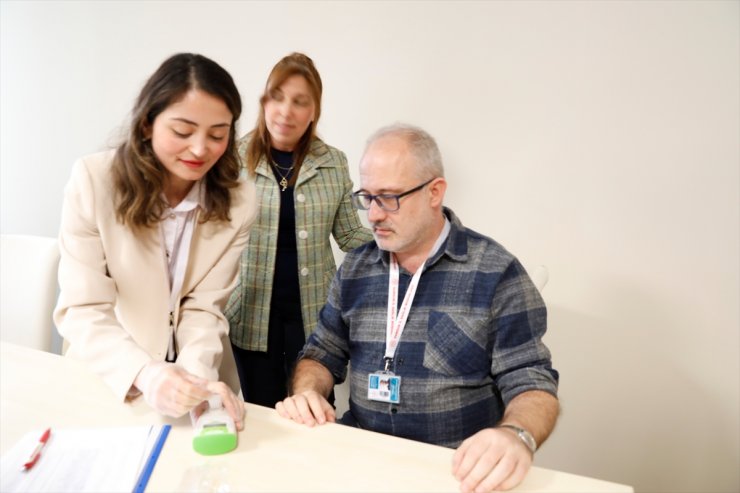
column 528, row 440
column 524, row 436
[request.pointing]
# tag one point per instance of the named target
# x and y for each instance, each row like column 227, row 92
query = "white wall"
column 598, row 138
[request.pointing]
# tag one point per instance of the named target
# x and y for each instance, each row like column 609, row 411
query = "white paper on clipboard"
column 79, row 460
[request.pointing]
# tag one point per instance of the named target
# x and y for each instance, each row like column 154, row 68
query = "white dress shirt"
column 177, row 227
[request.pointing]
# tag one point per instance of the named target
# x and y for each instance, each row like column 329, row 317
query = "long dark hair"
column 260, row 143
column 139, row 177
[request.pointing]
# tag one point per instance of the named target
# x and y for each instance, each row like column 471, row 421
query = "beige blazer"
column 113, row 309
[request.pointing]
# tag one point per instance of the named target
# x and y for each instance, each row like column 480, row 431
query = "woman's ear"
column 146, row 131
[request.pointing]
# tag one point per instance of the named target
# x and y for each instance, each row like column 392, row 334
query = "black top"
column 285, row 288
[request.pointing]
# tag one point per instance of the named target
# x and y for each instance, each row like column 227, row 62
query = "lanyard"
column 396, row 320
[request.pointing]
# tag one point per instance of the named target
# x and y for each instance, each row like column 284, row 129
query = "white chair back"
column 28, row 289
column 540, row 275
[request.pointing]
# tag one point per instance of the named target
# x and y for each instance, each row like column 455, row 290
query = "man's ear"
column 437, row 190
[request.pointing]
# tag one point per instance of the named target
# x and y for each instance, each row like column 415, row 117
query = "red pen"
column 37, row 451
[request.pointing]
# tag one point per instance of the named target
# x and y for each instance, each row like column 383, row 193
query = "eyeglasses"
column 389, row 202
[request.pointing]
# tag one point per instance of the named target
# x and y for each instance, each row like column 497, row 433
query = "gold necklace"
column 283, row 178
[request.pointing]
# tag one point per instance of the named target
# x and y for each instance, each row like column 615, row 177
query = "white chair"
column 28, row 289
column 540, row 275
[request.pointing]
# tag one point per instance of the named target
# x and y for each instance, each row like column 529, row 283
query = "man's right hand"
column 309, row 408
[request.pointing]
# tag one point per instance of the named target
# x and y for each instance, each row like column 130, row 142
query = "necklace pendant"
column 284, row 184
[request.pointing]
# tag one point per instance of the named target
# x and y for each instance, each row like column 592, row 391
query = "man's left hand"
column 492, row 459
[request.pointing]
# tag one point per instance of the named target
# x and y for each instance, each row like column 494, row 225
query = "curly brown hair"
column 139, row 177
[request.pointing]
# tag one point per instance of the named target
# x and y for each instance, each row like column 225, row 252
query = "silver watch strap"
column 524, row 436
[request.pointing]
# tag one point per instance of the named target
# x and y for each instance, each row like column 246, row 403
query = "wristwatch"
column 524, row 436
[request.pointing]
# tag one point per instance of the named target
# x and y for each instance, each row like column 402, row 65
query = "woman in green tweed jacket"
column 288, row 264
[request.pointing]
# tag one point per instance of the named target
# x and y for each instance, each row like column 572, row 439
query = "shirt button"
column 303, row 234
column 300, row 197
column 172, row 216
column 304, row 271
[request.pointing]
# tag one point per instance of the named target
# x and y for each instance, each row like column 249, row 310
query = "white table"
column 39, row 389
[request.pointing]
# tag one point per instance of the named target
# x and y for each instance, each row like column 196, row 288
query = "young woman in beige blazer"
column 150, row 239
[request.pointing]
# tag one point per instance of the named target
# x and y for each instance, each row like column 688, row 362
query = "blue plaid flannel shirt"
column 472, row 341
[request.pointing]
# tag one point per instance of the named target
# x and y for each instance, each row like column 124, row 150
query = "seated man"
column 447, row 320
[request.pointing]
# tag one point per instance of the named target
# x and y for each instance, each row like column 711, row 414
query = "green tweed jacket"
column 322, row 208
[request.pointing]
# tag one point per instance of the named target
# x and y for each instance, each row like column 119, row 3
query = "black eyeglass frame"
column 370, row 198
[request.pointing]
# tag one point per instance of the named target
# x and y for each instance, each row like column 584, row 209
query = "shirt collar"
column 457, row 241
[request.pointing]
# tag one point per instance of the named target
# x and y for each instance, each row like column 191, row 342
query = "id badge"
column 384, row 387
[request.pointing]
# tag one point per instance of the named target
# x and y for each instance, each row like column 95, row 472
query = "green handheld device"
column 215, row 432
